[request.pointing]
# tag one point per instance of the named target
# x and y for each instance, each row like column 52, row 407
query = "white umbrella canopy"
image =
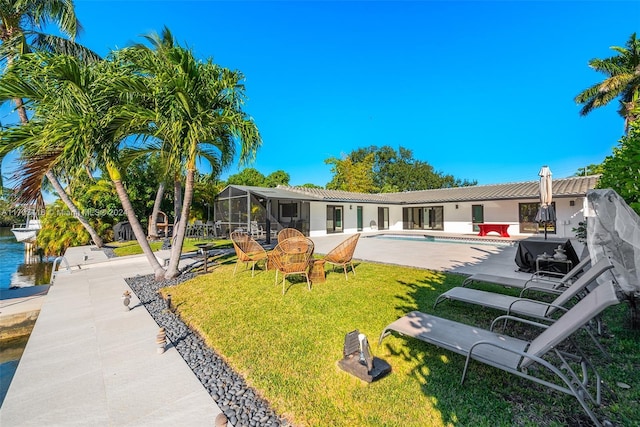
column 546, row 187
column 546, row 213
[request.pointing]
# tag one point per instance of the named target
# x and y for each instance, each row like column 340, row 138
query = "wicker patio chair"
column 292, row 256
column 287, row 233
column 343, row 254
column 247, row 250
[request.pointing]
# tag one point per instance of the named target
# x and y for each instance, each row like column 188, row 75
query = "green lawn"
column 133, row 248
column 287, row 347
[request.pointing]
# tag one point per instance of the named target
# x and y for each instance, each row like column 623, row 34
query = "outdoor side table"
column 552, row 265
column 316, row 275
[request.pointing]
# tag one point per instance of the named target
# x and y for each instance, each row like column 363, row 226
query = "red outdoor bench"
column 498, row 228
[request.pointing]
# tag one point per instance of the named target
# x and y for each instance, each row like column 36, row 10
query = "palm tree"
column 21, row 21
column 623, row 81
column 196, row 115
column 20, row 81
column 75, row 124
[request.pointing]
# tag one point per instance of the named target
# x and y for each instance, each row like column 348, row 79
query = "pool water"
column 436, row 239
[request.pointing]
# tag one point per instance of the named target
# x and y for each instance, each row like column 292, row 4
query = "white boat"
column 28, row 231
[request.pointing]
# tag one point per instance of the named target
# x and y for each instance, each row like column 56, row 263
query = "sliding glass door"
column 334, row 219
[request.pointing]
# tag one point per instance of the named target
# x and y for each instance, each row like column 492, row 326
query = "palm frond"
column 623, row 79
column 29, row 178
column 63, row 46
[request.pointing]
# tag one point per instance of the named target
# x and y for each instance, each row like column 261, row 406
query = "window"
column 527, row 218
column 423, row 218
column 334, row 219
column 288, row 210
column 383, row 218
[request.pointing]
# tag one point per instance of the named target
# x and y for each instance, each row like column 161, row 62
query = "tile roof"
column 564, row 187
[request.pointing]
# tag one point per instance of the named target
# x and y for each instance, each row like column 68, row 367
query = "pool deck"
column 90, row 362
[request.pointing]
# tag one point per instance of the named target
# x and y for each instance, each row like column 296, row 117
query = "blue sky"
column 480, row 90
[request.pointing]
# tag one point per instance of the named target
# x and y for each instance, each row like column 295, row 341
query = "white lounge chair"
column 518, row 356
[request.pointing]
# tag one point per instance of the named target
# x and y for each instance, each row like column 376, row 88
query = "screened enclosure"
column 262, row 212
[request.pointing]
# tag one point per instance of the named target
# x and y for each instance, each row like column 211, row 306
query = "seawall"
column 19, row 309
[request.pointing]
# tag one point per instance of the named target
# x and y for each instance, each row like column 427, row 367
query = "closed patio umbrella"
column 546, row 213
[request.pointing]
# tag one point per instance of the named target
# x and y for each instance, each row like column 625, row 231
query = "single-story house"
column 317, row 212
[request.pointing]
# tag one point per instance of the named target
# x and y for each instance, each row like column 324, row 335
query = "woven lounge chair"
column 247, row 250
column 292, row 256
column 342, row 254
column 518, row 356
column 539, row 280
column 287, row 233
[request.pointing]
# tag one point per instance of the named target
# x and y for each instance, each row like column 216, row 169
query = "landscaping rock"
column 227, row 388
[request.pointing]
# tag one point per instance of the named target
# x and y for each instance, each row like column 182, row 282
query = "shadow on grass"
column 335, row 269
column 487, row 391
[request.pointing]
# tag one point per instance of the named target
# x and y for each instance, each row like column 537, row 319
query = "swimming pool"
column 442, row 239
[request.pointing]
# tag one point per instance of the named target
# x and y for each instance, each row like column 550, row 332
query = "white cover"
column 614, row 231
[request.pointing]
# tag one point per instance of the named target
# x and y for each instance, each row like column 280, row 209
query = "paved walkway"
column 90, row 362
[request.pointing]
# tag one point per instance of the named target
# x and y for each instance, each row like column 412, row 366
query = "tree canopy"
column 621, row 170
column 591, row 169
column 253, row 177
column 372, row 170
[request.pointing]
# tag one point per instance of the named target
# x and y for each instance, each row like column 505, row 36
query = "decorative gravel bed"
column 236, row 399
column 108, row 251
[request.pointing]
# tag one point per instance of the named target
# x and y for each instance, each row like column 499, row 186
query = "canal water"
column 16, row 271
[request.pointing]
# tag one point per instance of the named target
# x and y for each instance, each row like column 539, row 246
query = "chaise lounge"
column 527, row 306
column 546, row 311
column 519, row 356
column 539, row 280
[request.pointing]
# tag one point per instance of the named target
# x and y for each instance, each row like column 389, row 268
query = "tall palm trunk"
column 179, row 235
column 177, row 200
column 97, row 240
column 177, row 206
column 153, row 223
column 136, row 227
column 22, row 113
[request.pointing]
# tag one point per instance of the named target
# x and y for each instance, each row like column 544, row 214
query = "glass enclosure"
column 258, row 214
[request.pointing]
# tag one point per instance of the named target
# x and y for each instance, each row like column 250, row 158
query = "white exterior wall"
column 456, row 220
column 318, row 222
column 569, row 216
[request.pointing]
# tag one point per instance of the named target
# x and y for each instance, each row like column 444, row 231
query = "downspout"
column 267, row 225
column 249, row 212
